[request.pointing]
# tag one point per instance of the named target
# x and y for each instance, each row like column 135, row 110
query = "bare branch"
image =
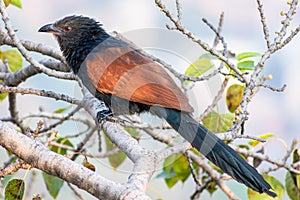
column 43, row 93
column 36, row 154
column 218, row 34
column 281, row 89
column 287, row 40
column 204, row 45
column 62, row 120
column 215, row 101
column 179, row 10
column 221, row 21
column 32, row 46
column 264, row 23
column 285, row 24
column 77, row 194
column 266, row 158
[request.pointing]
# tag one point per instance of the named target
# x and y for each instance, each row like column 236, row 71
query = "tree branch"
column 36, row 154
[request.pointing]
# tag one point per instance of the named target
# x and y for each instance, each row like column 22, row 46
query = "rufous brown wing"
column 127, row 73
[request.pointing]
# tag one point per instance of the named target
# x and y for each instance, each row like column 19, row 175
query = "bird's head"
column 74, row 31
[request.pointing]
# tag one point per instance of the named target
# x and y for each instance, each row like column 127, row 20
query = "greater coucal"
column 129, row 82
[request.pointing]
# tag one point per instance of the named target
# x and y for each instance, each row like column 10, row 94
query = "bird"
column 129, row 82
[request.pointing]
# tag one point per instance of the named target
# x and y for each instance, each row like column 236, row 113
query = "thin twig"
column 179, row 11
column 220, row 25
column 103, row 155
column 193, row 171
column 281, row 89
column 14, row 111
column 278, row 164
column 75, row 191
column 264, row 24
column 42, row 93
column 62, row 120
column 81, row 145
column 218, row 34
column 285, row 24
column 204, row 45
column 200, row 189
column 287, row 40
column 215, row 101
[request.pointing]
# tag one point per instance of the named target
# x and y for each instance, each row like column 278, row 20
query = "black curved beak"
column 49, row 28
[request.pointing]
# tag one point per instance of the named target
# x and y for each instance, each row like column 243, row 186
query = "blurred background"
column 143, row 23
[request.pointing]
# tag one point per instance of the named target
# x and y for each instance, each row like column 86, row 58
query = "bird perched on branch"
column 129, row 82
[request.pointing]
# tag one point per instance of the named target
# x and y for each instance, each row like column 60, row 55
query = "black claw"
column 103, row 115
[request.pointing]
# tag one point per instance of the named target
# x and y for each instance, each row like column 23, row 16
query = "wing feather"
column 125, row 72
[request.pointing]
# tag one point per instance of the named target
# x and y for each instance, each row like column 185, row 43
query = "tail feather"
column 214, row 149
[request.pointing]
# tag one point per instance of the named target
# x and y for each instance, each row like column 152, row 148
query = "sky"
column 143, row 23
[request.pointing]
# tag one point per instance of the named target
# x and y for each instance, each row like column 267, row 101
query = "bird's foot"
column 104, row 115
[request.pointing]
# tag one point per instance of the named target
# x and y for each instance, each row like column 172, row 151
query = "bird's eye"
column 67, row 28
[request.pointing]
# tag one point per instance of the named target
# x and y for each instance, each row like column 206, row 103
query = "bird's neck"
column 75, row 55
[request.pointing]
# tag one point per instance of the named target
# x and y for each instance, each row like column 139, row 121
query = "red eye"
column 68, row 28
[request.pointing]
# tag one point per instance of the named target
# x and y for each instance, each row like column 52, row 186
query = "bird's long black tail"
column 214, row 149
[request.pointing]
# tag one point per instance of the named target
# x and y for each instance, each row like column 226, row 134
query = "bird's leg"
column 104, row 115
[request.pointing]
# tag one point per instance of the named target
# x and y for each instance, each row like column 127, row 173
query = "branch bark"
column 36, row 154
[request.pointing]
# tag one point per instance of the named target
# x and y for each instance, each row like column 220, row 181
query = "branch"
column 42, row 93
column 215, row 101
column 266, row 158
column 36, row 154
column 15, row 78
column 264, row 24
column 32, row 46
column 204, row 45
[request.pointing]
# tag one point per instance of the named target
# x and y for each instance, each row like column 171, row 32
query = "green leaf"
column 254, row 143
column 275, row 184
column 7, row 2
column 16, row 3
column 199, row 67
column 165, row 174
column 53, row 184
column 14, row 58
column 292, row 180
column 246, row 65
column 61, row 110
column 14, row 190
column 115, row 160
column 175, row 168
column 291, row 187
column 3, row 95
column 218, row 123
column 296, row 155
column 243, row 146
column 212, row 186
column 234, row 96
column 245, row 55
column 59, row 150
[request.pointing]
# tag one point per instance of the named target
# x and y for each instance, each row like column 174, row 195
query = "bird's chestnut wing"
column 125, row 72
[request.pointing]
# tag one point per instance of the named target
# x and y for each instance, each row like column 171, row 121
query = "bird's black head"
column 76, row 36
column 74, row 30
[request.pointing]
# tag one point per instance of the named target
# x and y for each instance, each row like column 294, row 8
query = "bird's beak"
column 49, row 28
